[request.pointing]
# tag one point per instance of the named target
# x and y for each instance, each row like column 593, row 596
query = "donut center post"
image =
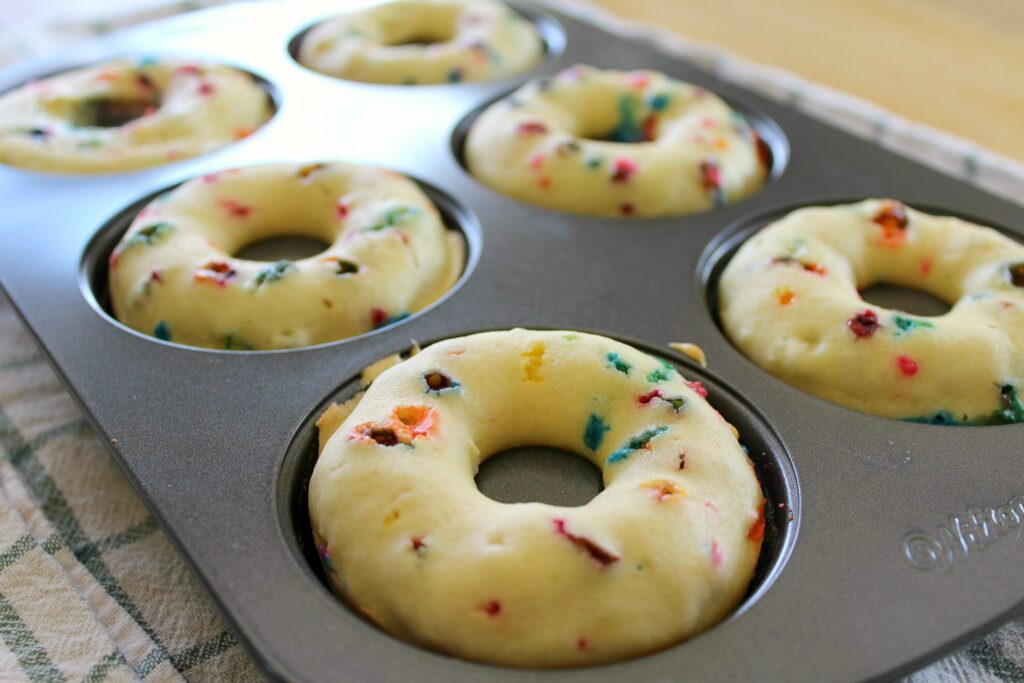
column 112, row 112
column 427, row 26
column 283, row 247
column 540, row 474
column 907, row 299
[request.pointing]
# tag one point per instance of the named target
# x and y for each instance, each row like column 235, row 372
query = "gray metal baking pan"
column 890, row 543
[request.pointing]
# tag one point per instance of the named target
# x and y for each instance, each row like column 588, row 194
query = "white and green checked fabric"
column 91, row 590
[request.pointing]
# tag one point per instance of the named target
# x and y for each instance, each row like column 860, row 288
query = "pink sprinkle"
column 645, row 399
column 112, row 259
column 236, row 209
column 709, row 122
column 717, row 556
column 341, row 210
column 698, row 388
column 623, row 169
column 710, row 175
column 537, row 161
column 187, row 70
column 572, row 73
column 531, row 128
column 378, row 316
column 906, row 365
column 493, row 608
column 206, row 88
column 638, row 79
column 211, row 178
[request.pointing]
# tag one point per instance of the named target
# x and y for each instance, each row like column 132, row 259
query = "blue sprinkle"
column 636, row 443
column 593, row 435
column 659, row 101
column 147, row 60
column 455, row 75
column 162, row 331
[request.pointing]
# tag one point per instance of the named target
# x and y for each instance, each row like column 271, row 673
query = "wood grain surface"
column 957, row 65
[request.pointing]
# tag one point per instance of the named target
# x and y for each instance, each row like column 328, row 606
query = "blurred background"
column 952, row 64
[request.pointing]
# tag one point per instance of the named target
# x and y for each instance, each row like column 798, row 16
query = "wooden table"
column 957, row 65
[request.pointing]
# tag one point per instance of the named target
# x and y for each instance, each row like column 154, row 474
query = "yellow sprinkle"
column 663, row 488
column 691, row 351
column 735, row 432
column 532, row 361
column 392, row 517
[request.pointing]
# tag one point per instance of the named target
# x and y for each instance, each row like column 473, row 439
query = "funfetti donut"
column 126, row 114
column 665, row 551
column 789, row 300
column 174, row 276
column 423, row 42
column 616, row 143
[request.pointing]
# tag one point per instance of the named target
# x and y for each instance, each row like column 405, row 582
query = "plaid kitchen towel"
column 91, row 590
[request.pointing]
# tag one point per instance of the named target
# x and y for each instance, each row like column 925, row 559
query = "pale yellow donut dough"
column 664, row 552
column 465, row 40
column 789, row 301
column 125, row 114
column 616, row 143
column 173, row 275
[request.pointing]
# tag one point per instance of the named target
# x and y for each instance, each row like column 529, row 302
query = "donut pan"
column 890, row 544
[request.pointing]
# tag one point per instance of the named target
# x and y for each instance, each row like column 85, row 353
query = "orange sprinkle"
column 785, row 295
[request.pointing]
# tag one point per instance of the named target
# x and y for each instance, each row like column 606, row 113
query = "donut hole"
column 112, row 112
column 539, row 474
column 907, row 299
column 290, row 248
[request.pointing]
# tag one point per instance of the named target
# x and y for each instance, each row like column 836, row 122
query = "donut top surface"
column 423, row 42
column 666, row 550
column 123, row 114
column 616, row 143
column 790, row 300
column 173, row 275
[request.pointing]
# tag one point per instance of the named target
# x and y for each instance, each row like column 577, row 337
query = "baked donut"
column 124, row 114
column 420, row 42
column 665, row 551
column 173, row 275
column 789, row 301
column 616, row 143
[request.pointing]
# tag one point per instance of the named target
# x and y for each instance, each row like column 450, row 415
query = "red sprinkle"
column 544, row 183
column 864, row 324
column 341, row 210
column 710, row 175
column 698, row 388
column 493, row 608
column 211, row 178
column 926, row 266
column 756, row 533
column 627, row 209
column 644, row 399
column 417, row 543
column 378, row 316
column 650, row 127
column 583, row 644
column 206, row 88
column 638, row 79
column 907, row 365
column 623, row 170
column 236, row 209
column 187, row 70
column 764, row 152
column 532, row 128
column 603, row 556
column 894, row 221
column 682, row 460
column 154, row 276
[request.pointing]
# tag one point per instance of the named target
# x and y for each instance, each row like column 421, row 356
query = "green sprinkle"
column 662, row 374
column 148, row 235
column 616, row 362
column 394, row 217
column 274, row 272
column 594, row 432
column 636, row 443
column 162, row 331
column 905, row 324
column 593, row 162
